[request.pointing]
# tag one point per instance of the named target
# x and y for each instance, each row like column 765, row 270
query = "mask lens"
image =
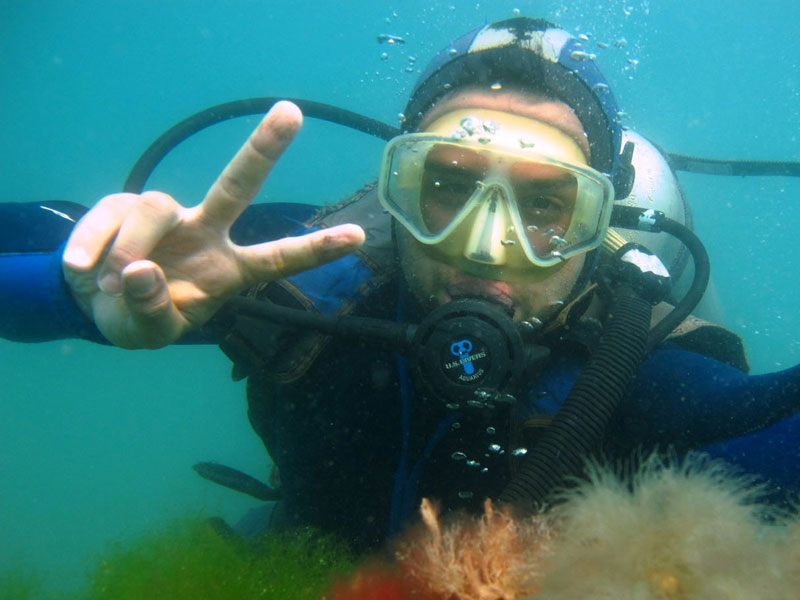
column 541, row 210
column 546, row 197
column 451, row 175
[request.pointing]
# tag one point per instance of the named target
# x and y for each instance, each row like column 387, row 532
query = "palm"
column 148, row 270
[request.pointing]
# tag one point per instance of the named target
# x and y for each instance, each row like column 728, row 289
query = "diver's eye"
column 541, row 210
column 448, row 187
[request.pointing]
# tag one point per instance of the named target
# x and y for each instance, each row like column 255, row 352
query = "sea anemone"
column 674, row 530
column 475, row 558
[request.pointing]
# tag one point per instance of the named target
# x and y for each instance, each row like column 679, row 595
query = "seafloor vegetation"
column 198, row 559
column 671, row 531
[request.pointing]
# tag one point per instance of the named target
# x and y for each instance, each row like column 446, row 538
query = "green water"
column 96, row 444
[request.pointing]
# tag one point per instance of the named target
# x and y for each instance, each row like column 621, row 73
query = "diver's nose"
column 487, row 242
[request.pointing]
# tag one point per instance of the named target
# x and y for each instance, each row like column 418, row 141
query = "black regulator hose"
column 642, row 219
column 579, row 425
column 256, row 106
column 167, row 141
column 750, row 168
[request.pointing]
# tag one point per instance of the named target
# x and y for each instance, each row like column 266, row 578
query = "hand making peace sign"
column 148, row 270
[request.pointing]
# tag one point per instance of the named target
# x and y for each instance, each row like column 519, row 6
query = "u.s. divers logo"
column 465, row 363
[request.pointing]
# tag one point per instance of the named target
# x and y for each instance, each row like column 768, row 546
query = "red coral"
column 491, row 557
column 375, row 582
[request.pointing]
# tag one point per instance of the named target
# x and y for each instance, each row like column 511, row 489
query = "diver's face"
column 436, row 279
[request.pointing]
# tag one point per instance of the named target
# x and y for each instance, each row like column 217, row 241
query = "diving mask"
column 511, row 195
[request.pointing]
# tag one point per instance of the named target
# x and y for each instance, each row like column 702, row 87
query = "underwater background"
column 96, row 443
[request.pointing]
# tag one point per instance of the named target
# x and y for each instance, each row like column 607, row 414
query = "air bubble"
column 534, row 322
column 507, row 242
column 496, row 86
column 465, row 495
column 458, row 455
column 495, row 447
column 519, row 451
column 470, row 124
column 581, row 55
column 386, row 38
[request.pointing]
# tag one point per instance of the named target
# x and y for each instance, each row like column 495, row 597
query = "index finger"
column 241, row 179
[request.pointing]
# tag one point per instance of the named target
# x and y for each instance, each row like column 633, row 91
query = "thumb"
column 154, row 319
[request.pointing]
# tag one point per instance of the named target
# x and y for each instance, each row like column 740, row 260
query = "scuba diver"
column 499, row 307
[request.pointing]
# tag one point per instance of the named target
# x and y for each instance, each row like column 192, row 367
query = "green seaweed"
column 194, row 559
column 18, row 586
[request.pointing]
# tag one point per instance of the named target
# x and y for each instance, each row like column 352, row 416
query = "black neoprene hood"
column 535, row 55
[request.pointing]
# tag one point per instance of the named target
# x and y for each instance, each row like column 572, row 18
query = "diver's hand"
column 147, row 270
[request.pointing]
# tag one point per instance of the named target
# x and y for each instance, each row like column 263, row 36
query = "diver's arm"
column 149, row 271
column 689, row 401
column 35, row 304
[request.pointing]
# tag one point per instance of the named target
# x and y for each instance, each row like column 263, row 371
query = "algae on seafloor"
column 18, row 585
column 192, row 560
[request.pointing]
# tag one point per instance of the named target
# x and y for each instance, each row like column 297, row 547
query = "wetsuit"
column 355, row 444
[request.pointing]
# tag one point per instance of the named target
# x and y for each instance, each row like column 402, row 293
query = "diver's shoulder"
column 705, row 337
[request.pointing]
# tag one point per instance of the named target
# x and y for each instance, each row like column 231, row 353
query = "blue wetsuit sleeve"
column 35, row 303
column 688, row 400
